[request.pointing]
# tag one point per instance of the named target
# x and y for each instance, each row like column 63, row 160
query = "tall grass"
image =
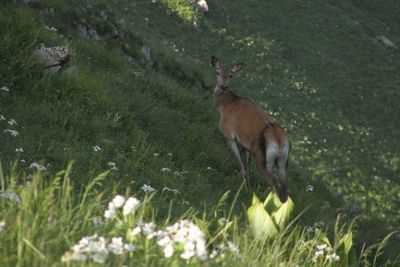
column 44, row 219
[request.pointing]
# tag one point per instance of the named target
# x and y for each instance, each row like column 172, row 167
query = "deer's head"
column 224, row 75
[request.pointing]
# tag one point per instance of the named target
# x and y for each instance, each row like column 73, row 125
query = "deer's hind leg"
column 236, row 153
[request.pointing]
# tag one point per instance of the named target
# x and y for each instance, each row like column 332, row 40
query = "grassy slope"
column 317, row 67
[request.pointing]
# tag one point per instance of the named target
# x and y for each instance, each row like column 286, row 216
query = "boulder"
column 53, row 58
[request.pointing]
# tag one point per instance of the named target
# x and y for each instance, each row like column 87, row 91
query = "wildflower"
column 97, row 221
column 2, row 226
column 309, row 188
column 156, row 154
column 209, row 168
column 13, row 133
column 19, row 150
column 96, row 148
column 223, row 220
column 148, row 230
column 110, row 214
column 5, row 89
column 52, row 29
column 23, row 161
column 116, row 246
column 12, row 122
column 130, row 205
column 332, row 257
column 112, row 165
column 135, row 231
column 169, row 154
column 118, row 201
column 147, row 188
column 168, row 250
column 35, row 165
column 165, row 169
column 129, row 247
column 175, row 191
column 92, row 247
column 2, row 118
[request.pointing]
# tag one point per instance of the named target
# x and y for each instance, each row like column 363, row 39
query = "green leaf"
column 282, row 216
column 261, row 223
column 272, row 202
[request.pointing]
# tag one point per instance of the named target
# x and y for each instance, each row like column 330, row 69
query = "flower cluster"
column 112, row 165
column 325, row 252
column 35, row 165
column 128, row 206
column 147, row 188
column 95, row 248
column 13, row 133
column 184, row 237
column 222, row 248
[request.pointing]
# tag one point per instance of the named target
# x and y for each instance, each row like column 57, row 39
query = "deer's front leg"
column 236, row 152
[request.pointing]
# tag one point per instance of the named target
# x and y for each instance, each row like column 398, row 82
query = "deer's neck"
column 224, row 98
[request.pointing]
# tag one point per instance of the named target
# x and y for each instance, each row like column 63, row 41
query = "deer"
column 245, row 125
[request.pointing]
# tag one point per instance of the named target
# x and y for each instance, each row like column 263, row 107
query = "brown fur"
column 244, row 123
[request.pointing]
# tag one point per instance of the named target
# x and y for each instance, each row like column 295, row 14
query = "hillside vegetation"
column 134, row 104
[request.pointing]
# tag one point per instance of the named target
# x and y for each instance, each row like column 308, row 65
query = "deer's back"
column 244, row 121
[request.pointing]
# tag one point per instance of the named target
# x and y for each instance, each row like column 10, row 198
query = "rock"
column 146, row 52
column 386, row 41
column 201, row 5
column 53, row 58
column 87, row 31
column 113, row 33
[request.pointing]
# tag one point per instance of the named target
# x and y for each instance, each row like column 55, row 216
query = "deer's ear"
column 215, row 62
column 238, row 67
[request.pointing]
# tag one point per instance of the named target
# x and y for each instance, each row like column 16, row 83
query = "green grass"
column 316, row 67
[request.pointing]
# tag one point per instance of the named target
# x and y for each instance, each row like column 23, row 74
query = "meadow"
column 132, row 115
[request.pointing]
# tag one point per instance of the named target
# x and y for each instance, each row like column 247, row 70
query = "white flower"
column 110, row 214
column 175, row 191
column 332, row 257
column 147, row 188
column 35, row 165
column 130, row 205
column 2, row 118
column 148, row 230
column 13, row 133
column 112, row 165
column 156, row 154
column 19, row 150
column 96, row 148
column 209, row 168
column 89, row 247
column 52, row 29
column 116, row 246
column 223, row 220
column 2, row 226
column 12, row 122
column 118, row 201
column 129, row 247
column 168, row 250
column 164, row 241
column 169, row 154
column 5, row 89
column 166, row 170
column 135, row 231
column 309, row 188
